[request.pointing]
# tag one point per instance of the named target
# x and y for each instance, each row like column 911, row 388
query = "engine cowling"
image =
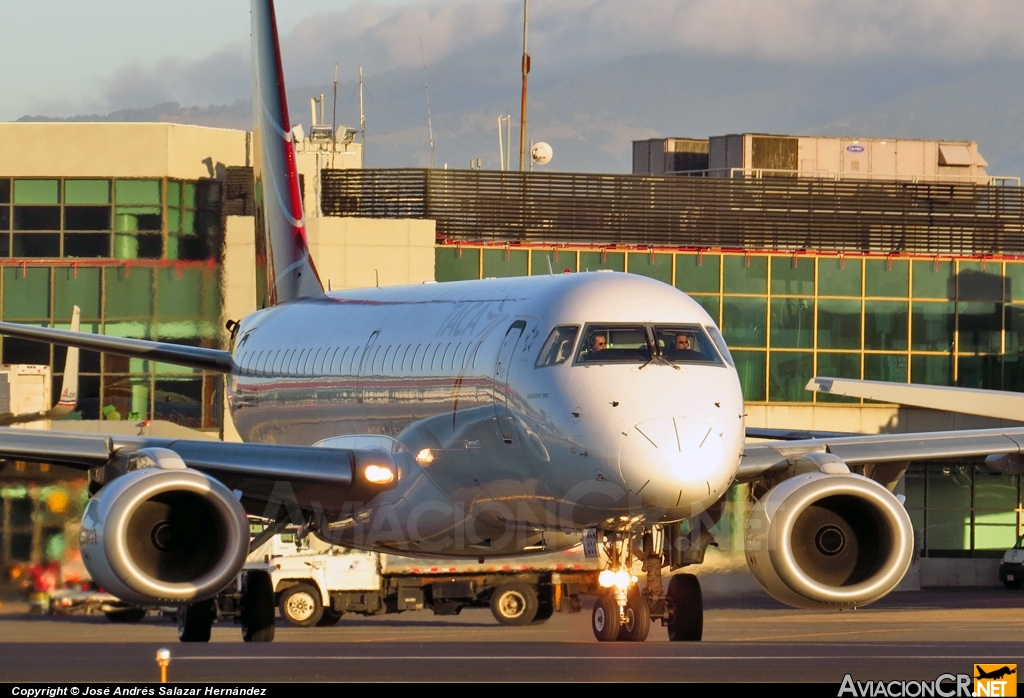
column 165, row 533
column 829, row 541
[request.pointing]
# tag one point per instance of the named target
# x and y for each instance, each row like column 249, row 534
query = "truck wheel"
column 544, row 612
column 301, row 606
column 1012, row 585
column 686, row 619
column 257, row 612
column 605, row 619
column 514, row 604
column 126, row 615
column 195, row 621
column 329, row 618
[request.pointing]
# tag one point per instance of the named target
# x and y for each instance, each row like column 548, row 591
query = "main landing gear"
column 251, row 605
column 624, row 612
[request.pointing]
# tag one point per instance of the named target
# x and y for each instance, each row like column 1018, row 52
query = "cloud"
column 571, row 35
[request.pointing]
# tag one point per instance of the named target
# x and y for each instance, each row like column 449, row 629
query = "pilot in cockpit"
column 682, row 348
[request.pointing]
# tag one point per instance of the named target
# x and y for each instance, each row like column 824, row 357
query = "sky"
column 604, row 71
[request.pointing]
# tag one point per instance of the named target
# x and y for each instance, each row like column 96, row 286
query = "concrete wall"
column 111, row 150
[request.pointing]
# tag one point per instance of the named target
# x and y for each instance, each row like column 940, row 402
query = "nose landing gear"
column 624, row 612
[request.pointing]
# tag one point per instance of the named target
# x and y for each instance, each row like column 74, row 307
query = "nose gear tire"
column 605, row 619
column 686, row 619
column 638, row 620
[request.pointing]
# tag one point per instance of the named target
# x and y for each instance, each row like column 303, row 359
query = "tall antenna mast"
column 526, row 70
column 426, row 90
column 362, row 117
column 334, row 118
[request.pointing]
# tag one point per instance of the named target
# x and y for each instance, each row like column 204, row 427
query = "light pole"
column 526, row 70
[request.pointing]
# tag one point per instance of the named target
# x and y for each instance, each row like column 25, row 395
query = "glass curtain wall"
column 789, row 317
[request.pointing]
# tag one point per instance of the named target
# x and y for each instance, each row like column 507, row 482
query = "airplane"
column 475, row 419
column 68, row 398
column 995, row 673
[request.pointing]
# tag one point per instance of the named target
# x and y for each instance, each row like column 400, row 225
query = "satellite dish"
column 541, row 153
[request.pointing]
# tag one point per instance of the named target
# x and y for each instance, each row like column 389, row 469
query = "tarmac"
column 748, row 637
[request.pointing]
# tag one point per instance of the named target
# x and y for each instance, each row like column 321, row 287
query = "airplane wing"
column 68, row 399
column 215, row 360
column 765, row 458
column 310, row 476
column 1001, row 404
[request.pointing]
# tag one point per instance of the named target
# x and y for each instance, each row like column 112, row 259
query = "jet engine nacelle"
column 165, row 533
column 818, row 541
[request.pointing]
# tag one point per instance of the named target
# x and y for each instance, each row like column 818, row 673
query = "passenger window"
column 456, row 361
column 687, row 344
column 614, row 344
column 405, row 356
column 558, row 346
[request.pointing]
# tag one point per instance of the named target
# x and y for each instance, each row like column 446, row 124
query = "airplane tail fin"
column 68, row 399
column 284, row 270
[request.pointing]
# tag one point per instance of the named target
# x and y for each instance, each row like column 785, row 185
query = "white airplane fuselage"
column 491, row 446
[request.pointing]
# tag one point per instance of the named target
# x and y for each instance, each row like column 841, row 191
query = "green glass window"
column 980, row 327
column 751, row 365
column 5, row 191
column 1013, row 373
column 838, row 324
column 980, row 372
column 451, row 265
column 792, row 323
column 743, row 275
column 188, row 195
column 743, row 321
column 788, row 374
column 134, row 192
column 37, row 191
column 698, row 274
column 1014, row 281
column 793, row 276
column 712, row 304
column 931, row 369
column 886, row 278
column 173, row 221
column 71, row 288
column 566, row 260
column 932, row 326
column 132, row 218
column 658, row 266
column 885, row 325
column 839, row 277
column 975, row 283
column 173, row 193
column 949, row 508
column 27, row 293
column 837, row 365
column 933, row 280
column 129, row 292
column 87, row 191
column 995, row 499
column 1014, row 328
column 885, row 367
column 179, row 293
column 505, row 263
column 592, row 261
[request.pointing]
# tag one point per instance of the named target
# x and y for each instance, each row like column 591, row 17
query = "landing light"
column 378, row 474
column 621, row 579
column 425, row 457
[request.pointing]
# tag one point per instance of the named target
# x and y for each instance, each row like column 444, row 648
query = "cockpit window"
column 719, row 341
column 685, row 344
column 614, row 344
column 558, row 346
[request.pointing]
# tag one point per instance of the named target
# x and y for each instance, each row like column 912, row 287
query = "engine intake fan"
column 819, row 540
column 165, row 533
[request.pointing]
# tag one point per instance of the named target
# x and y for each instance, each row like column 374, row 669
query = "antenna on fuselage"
column 551, row 271
column 376, row 276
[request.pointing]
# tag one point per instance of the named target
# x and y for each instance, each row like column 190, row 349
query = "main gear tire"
column 195, row 621
column 257, row 613
column 605, row 619
column 686, row 617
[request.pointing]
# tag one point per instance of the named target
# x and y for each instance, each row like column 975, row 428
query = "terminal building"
column 815, row 259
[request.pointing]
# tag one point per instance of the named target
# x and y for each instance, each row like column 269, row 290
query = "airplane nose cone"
column 674, row 462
